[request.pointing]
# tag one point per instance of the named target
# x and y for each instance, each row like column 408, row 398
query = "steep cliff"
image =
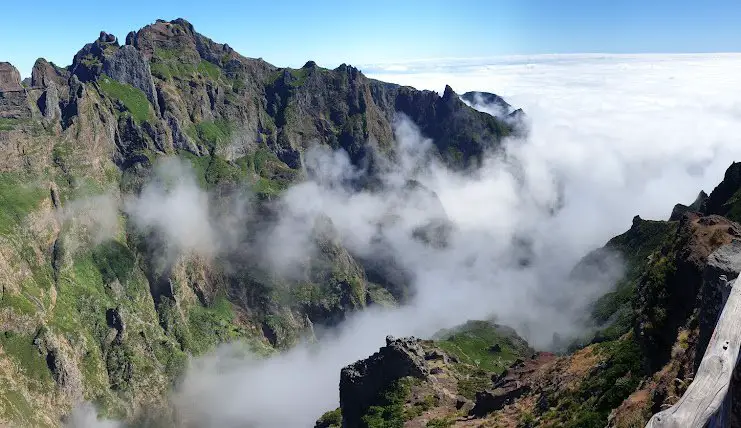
column 107, row 310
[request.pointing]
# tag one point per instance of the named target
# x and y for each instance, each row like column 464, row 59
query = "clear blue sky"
column 287, row 33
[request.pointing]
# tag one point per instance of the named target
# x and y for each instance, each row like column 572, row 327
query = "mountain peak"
column 10, row 78
column 449, row 93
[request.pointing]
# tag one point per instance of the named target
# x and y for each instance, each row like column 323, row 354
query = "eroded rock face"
column 128, row 66
column 10, row 78
column 362, row 381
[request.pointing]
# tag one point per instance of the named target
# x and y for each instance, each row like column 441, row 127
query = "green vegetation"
column 440, row 422
column 482, row 345
column 9, row 124
column 331, row 419
column 212, row 133
column 26, row 355
column 114, row 261
column 212, row 325
column 208, row 69
column 133, row 99
column 634, row 246
column 604, row 388
column 389, row 411
column 18, row 198
column 299, row 75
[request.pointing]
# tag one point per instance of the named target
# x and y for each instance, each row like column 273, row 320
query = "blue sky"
column 288, row 33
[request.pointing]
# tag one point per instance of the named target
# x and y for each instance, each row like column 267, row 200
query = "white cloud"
column 611, row 137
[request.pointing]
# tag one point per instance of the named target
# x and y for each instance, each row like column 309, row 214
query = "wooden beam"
column 707, row 401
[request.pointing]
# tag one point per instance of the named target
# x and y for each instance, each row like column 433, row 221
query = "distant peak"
column 107, row 38
column 309, row 64
column 10, row 78
column 449, row 93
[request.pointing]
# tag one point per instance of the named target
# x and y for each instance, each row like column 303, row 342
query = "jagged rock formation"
column 10, row 78
column 696, row 206
column 362, row 381
column 111, row 318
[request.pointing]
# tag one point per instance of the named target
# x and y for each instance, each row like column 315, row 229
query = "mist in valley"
column 608, row 137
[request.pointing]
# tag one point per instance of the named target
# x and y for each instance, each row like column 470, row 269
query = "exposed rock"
column 487, row 99
column 720, row 199
column 45, row 73
column 107, row 38
column 437, row 355
column 61, row 363
column 48, row 102
column 696, row 206
column 666, row 295
column 10, row 78
column 722, row 268
column 128, row 66
column 362, row 381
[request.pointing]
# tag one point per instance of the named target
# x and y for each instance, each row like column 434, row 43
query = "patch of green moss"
column 212, row 133
column 27, row 356
column 209, row 70
column 114, row 261
column 133, row 99
column 212, row 325
column 18, row 198
column 14, row 406
column 120, row 366
column 299, row 76
column 9, row 124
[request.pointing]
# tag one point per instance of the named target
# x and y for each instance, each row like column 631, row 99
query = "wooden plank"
column 707, row 400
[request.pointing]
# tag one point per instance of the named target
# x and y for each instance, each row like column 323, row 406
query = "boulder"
column 363, row 381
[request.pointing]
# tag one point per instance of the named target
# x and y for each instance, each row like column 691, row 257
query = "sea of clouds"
column 609, row 137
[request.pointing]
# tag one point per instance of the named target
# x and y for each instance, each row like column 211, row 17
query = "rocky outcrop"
column 722, row 268
column 721, row 200
column 696, row 206
column 487, row 99
column 362, row 381
column 10, row 78
column 128, row 66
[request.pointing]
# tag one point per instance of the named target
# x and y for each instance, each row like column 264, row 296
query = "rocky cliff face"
column 106, row 317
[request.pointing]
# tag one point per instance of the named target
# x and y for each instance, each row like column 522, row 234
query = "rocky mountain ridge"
column 109, row 312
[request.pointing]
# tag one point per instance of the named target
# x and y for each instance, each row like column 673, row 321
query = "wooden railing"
column 707, row 401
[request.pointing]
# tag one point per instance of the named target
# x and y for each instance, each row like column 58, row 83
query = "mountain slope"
column 95, row 306
column 651, row 334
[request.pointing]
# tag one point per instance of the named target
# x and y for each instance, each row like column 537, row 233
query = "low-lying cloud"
column 610, row 137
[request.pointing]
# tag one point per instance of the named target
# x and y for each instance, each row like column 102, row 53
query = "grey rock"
column 128, row 66
column 48, row 103
column 362, row 381
column 10, row 78
column 722, row 268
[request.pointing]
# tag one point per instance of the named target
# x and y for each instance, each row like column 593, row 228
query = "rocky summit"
column 100, row 302
column 108, row 311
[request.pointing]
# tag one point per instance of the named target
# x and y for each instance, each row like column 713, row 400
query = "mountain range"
column 104, row 294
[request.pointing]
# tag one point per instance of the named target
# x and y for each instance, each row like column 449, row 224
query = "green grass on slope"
column 603, row 389
column 133, row 99
column 17, row 199
column 480, row 344
column 635, row 246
